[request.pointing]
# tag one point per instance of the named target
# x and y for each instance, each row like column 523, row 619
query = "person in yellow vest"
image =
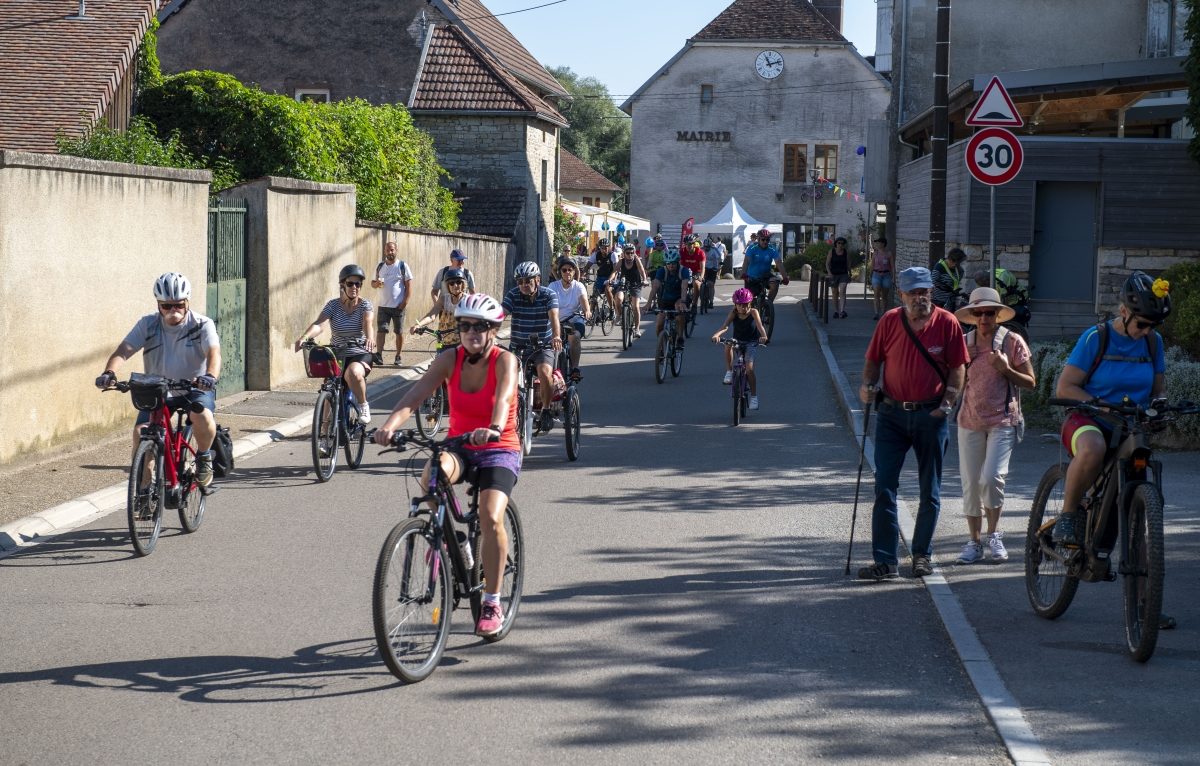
column 947, row 280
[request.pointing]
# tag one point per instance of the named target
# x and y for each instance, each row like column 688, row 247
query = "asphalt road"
column 684, row 600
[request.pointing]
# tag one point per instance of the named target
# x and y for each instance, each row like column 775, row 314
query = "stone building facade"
column 759, row 111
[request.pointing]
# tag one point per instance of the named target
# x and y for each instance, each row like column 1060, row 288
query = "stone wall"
column 81, row 243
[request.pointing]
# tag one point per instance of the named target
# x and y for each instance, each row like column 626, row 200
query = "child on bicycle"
column 454, row 286
column 747, row 328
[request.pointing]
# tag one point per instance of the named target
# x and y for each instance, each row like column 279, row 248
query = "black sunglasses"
column 172, row 306
column 479, row 327
column 1145, row 324
column 984, row 313
column 353, row 284
column 526, row 281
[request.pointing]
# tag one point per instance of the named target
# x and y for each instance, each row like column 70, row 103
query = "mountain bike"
column 430, row 563
column 708, row 291
column 1124, row 512
column 335, row 413
column 762, row 302
column 689, row 322
column 527, row 388
column 163, row 471
column 668, row 352
column 566, row 406
column 740, row 386
column 629, row 316
column 602, row 314
column 432, row 411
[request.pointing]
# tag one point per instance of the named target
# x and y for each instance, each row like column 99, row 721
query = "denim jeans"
column 897, row 431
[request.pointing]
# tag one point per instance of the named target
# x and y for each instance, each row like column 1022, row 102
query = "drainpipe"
column 941, row 131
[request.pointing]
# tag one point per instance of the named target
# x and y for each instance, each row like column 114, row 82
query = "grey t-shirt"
column 174, row 352
column 437, row 279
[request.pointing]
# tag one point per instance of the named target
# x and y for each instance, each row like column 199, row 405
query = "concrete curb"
column 72, row 514
column 1002, row 708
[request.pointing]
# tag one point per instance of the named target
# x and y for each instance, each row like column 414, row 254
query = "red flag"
column 687, row 229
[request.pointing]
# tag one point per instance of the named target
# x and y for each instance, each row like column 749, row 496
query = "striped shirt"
column 946, row 279
column 530, row 314
column 347, row 328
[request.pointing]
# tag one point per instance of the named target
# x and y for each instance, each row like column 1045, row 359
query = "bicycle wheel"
column 767, row 312
column 355, row 436
column 325, row 435
column 689, row 322
column 191, row 499
column 627, row 321
column 411, row 602
column 590, row 323
column 660, row 358
column 737, row 397
column 676, row 358
column 1049, row 587
column 145, row 500
column 606, row 317
column 514, row 575
column 525, row 416
column 1142, row 569
column 430, row 413
column 571, row 423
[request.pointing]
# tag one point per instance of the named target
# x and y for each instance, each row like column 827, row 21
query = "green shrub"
column 1182, row 328
column 813, row 254
column 377, row 148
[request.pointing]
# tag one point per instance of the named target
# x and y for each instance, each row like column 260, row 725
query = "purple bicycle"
column 430, row 563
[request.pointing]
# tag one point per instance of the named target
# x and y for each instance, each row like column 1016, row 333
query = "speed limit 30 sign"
column 994, row 156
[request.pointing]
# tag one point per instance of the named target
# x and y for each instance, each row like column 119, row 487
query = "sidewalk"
column 51, row 493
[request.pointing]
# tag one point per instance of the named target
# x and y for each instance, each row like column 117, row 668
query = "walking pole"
column 862, row 450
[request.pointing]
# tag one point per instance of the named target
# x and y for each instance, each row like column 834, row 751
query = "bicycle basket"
column 320, row 362
column 149, row 392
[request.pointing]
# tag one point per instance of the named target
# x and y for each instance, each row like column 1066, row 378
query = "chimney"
column 831, row 10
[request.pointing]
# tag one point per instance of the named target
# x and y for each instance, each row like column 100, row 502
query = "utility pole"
column 941, row 130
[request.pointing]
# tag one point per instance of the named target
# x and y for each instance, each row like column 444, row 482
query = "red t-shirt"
column 693, row 258
column 907, row 376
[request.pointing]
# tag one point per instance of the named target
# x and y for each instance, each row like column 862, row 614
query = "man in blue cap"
column 457, row 261
column 922, row 353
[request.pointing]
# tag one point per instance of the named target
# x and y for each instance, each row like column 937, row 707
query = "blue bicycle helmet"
column 672, row 256
column 649, row 241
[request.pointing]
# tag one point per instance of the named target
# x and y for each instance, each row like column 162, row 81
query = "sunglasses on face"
column 479, row 327
column 526, row 281
column 455, row 283
column 1145, row 324
column 355, row 285
column 172, row 306
column 984, row 313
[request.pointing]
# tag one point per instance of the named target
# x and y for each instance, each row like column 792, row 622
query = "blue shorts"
column 578, row 326
column 206, row 398
column 881, row 279
column 598, row 287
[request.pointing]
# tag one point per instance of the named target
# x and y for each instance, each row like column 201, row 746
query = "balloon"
column 620, row 240
column 620, row 227
column 604, row 226
column 860, row 151
column 649, row 241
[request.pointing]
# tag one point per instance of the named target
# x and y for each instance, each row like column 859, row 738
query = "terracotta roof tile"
column 577, row 175
column 492, row 212
column 458, row 75
column 475, row 16
column 60, row 74
column 770, row 20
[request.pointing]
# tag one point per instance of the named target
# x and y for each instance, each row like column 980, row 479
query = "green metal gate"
column 227, row 288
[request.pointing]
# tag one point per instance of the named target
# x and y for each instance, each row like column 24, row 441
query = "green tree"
column 600, row 132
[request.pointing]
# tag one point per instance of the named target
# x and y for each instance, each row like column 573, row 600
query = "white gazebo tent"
column 739, row 225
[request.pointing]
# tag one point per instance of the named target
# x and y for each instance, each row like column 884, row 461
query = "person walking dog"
column 920, row 349
column 989, row 419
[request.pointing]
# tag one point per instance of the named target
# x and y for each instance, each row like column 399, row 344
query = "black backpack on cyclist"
column 1102, row 354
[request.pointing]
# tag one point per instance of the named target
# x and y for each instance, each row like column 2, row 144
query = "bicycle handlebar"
column 174, row 384
column 743, row 343
column 1157, row 408
column 402, row 438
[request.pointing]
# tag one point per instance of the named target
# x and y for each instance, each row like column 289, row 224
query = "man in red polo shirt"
column 692, row 257
column 921, row 351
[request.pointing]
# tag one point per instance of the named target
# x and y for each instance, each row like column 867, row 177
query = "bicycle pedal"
column 211, row 489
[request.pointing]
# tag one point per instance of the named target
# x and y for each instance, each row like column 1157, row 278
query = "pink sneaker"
column 491, row 619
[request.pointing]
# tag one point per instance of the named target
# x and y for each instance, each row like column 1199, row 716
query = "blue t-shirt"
column 672, row 286
column 530, row 315
column 758, row 261
column 1132, row 376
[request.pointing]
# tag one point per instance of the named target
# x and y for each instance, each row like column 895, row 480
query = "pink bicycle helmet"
column 742, row 296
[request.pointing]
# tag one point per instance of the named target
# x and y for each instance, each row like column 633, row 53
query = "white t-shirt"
column 394, row 279
column 570, row 299
column 179, row 352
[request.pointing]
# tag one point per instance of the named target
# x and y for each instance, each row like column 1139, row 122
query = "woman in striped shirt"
column 351, row 319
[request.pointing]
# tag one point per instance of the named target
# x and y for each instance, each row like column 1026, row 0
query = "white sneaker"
column 728, row 379
column 971, row 552
column 754, row 402
column 364, row 413
column 995, row 545
column 637, row 333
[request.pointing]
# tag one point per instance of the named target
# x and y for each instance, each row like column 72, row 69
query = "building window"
column 795, row 163
column 319, row 95
column 706, row 94
column 588, row 201
column 545, row 176
column 825, row 161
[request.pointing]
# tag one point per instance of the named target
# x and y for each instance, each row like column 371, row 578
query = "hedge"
column 1183, row 325
column 377, row 148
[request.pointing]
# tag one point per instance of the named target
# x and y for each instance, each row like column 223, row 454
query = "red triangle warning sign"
column 995, row 108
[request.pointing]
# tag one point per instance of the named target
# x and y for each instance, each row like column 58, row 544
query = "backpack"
column 1102, row 355
column 1013, row 393
column 222, row 448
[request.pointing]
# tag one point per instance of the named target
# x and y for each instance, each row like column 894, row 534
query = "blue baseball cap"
column 915, row 278
column 457, row 255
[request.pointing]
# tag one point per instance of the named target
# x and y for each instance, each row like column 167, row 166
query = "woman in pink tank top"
column 481, row 379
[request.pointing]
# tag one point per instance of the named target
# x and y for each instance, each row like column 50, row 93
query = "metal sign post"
column 992, row 241
column 994, row 155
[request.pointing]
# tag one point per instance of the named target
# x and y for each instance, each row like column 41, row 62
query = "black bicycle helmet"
column 449, row 275
column 353, row 270
column 1139, row 297
column 567, row 260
